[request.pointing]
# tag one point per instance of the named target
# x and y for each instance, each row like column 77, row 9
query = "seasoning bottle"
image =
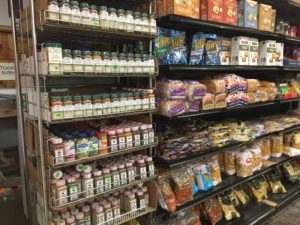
column 114, row 62
column 65, row 215
column 98, row 216
column 71, row 220
column 97, row 61
column 67, row 104
column 130, row 172
column 145, row 64
column 75, row 12
column 121, row 139
column 97, row 104
column 64, row 11
column 94, row 16
column 67, row 61
column 53, row 10
column 145, row 101
column 56, row 147
column 85, row 13
column 137, row 22
column 150, row 166
column 87, row 185
column 74, row 211
column 79, row 218
column 106, row 104
column 142, row 169
column 82, row 147
column 61, row 222
column 140, row 200
column 136, row 136
column 107, row 62
column 115, row 176
column 116, row 208
column 151, row 133
column 129, row 21
column 130, row 63
column 152, row 23
column 144, row 134
column 145, row 23
column 107, row 179
column 78, row 183
column 77, row 61
column 99, row 182
column 87, row 105
column 102, row 143
column 137, row 101
column 146, row 195
column 130, row 102
column 138, row 63
column 93, row 144
column 129, row 139
column 77, row 106
column 108, row 213
column 123, row 174
column 113, row 140
column 114, row 103
column 112, row 19
column 152, row 64
column 151, row 97
column 56, row 107
column 121, row 19
column 94, row 205
column 130, row 202
column 122, row 102
column 72, row 189
column 122, row 63
column 61, row 191
column 88, row 62
column 104, row 17
column 87, row 214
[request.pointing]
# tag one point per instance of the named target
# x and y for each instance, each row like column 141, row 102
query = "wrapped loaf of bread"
column 192, row 106
column 171, row 89
column 171, row 108
column 220, row 101
column 252, row 84
column 215, row 86
column 207, row 102
column 251, row 97
column 195, row 90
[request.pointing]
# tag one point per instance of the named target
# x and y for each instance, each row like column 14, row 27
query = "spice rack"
column 37, row 80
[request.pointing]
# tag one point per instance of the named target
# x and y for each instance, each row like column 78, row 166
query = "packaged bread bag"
column 244, row 160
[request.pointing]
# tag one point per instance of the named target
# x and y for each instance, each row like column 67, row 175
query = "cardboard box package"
column 230, row 12
column 188, row 8
column 273, row 20
column 247, row 13
column 160, row 8
column 254, row 51
column 212, row 10
column 267, row 53
column 225, row 53
column 240, row 47
column 264, row 17
column 279, row 54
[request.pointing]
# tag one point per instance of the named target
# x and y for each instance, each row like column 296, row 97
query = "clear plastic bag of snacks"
column 244, row 160
column 215, row 170
column 277, row 146
column 229, row 162
column 265, row 146
column 241, row 194
column 228, row 208
column 257, row 158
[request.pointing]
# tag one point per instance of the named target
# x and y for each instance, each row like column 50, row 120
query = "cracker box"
column 247, row 13
column 267, row 53
column 225, row 53
column 212, row 10
column 230, row 12
column 279, row 54
column 254, row 51
column 240, row 47
column 188, row 8
column 264, row 17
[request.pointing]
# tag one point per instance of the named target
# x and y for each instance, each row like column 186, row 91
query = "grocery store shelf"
column 213, row 151
column 228, row 182
column 291, row 69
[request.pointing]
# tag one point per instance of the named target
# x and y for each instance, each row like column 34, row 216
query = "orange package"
column 188, row 8
column 212, row 10
column 230, row 12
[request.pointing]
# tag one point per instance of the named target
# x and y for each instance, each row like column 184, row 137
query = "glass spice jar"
column 136, row 134
column 129, row 21
column 94, row 16
column 69, row 148
column 137, row 22
column 122, row 63
column 70, row 220
column 152, row 25
column 122, row 102
column 140, row 200
column 115, row 176
column 130, row 172
column 121, row 19
column 130, row 203
column 104, row 17
column 146, row 194
column 112, row 140
column 142, row 169
column 72, row 189
column 128, row 136
column 151, row 97
column 138, row 63
column 88, row 62
column 130, row 102
column 145, row 23
column 80, row 218
column 113, row 25
column 85, row 13
column 82, row 147
column 107, row 179
column 87, row 106
column 106, row 104
column 97, row 104
column 151, row 133
column 77, row 61
column 97, row 61
column 130, row 63
column 53, row 10
column 121, row 138
column 150, row 166
column 123, row 174
column 56, row 147
column 98, row 216
column 99, row 182
column 137, row 101
column 56, row 107
column 108, row 213
column 75, row 12
column 67, row 61
column 144, row 134
column 145, row 64
column 114, row 62
column 64, row 11
column 116, row 208
column 87, row 214
column 77, row 106
column 114, row 101
column 107, row 64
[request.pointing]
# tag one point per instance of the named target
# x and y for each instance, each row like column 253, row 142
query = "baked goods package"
column 252, row 84
column 221, row 161
column 230, row 12
column 212, row 210
column 182, row 185
column 212, row 49
column 195, row 90
column 241, row 194
column 261, row 95
column 295, row 143
column 203, row 177
column 220, row 101
column 290, row 173
column 197, row 51
column 240, row 47
column 247, row 13
column 244, row 160
column 254, row 51
column 277, row 146
column 233, row 198
column 171, row 108
column 229, row 162
column 215, row 86
column 207, row 102
column 265, row 146
column 166, row 197
column 228, row 208
column 212, row 10
column 174, row 148
column 215, row 170
column 251, row 97
column 264, row 17
column 171, row 89
column 199, row 140
column 257, row 158
column 193, row 106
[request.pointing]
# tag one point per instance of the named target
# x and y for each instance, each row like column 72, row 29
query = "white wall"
column 4, row 19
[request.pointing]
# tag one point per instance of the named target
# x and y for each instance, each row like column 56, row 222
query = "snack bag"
column 162, row 45
column 233, row 198
column 242, row 196
column 229, row 162
column 227, row 207
column 277, row 146
column 197, row 51
column 215, row 170
column 195, row 90
column 203, row 177
column 258, row 190
column 257, row 158
column 244, row 160
column 213, row 211
column 275, row 183
column 166, row 197
column 212, row 49
column 178, row 49
column 265, row 146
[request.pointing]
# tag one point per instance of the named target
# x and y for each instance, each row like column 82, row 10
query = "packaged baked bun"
column 244, row 160
column 195, row 90
column 277, row 146
column 229, row 162
column 252, row 84
column 215, row 86
column 257, row 158
column 171, row 89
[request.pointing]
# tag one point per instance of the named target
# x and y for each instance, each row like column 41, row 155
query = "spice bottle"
column 122, row 63
column 61, row 222
column 112, row 140
column 130, row 172
column 88, row 62
column 65, row 215
column 116, row 208
column 64, row 11
column 61, row 191
column 123, row 174
column 67, row 104
column 97, row 105
column 145, row 64
column 102, row 143
column 87, row 185
column 77, row 105
column 71, row 220
column 142, row 169
column 72, row 189
column 130, row 63
column 93, row 144
column 145, row 23
column 56, row 107
column 140, row 200
column 152, row 64
column 150, row 166
column 104, row 17
column 106, row 104
column 122, row 102
column 151, row 97
column 145, row 101
column 94, row 16
column 98, row 216
column 138, row 63
column 114, row 98
column 82, row 147
column 129, row 21
column 57, row 149
column 67, row 61
column 146, row 194
column 121, row 139
column 87, row 106
column 114, row 62
column 137, row 101
column 130, row 203
column 85, row 13
column 87, row 214
column 136, row 136
column 79, row 184
column 99, row 181
column 121, row 19
column 151, row 133
column 129, row 139
column 75, row 12
column 130, row 102
column 79, row 218
column 108, row 213
column 74, row 211
column 137, row 22
column 97, row 61
column 107, row 179
column 152, row 23
column 77, row 61
column 112, row 19
column 115, row 176
column 53, row 10
column 107, row 62
column 144, row 134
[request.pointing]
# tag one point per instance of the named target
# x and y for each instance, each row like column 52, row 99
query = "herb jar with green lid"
column 67, row 61
column 137, row 22
column 114, row 103
column 77, row 61
column 122, row 103
column 106, row 104
column 97, row 62
column 97, row 105
column 145, row 23
column 145, row 63
column 53, row 10
column 104, row 17
column 94, row 16
column 138, row 63
column 130, row 63
column 87, row 106
column 88, row 62
column 64, row 11
column 152, row 25
column 77, row 106
column 121, row 19
column 85, row 13
column 106, row 62
column 114, row 62
column 129, row 21
column 67, row 104
column 75, row 12
column 122, row 63
column 130, row 102
column 113, row 25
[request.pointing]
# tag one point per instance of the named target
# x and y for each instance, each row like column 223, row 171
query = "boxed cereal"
column 240, row 47
column 212, row 10
column 230, row 12
column 267, row 53
column 264, row 17
column 188, row 8
column 254, row 51
column 247, row 13
column 279, row 54
column 225, row 52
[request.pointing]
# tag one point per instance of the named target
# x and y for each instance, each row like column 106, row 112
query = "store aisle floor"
column 287, row 216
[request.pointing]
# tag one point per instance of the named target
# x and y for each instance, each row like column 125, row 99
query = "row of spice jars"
column 88, row 105
column 86, row 180
column 103, row 211
column 101, row 17
column 77, row 61
column 69, row 146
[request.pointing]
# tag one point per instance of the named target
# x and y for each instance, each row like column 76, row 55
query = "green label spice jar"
column 72, row 189
column 87, row 185
column 53, row 10
column 85, row 13
column 64, row 11
column 61, row 191
column 75, row 12
column 107, row 179
column 114, row 62
column 87, row 214
column 82, row 147
column 115, row 176
column 80, row 218
column 97, row 61
column 99, row 181
column 94, row 16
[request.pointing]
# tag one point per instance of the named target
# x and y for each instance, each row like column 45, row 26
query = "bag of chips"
column 166, row 197
column 228, row 208
column 229, row 162
column 241, row 194
column 203, row 177
column 197, row 51
column 212, row 210
column 215, row 170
